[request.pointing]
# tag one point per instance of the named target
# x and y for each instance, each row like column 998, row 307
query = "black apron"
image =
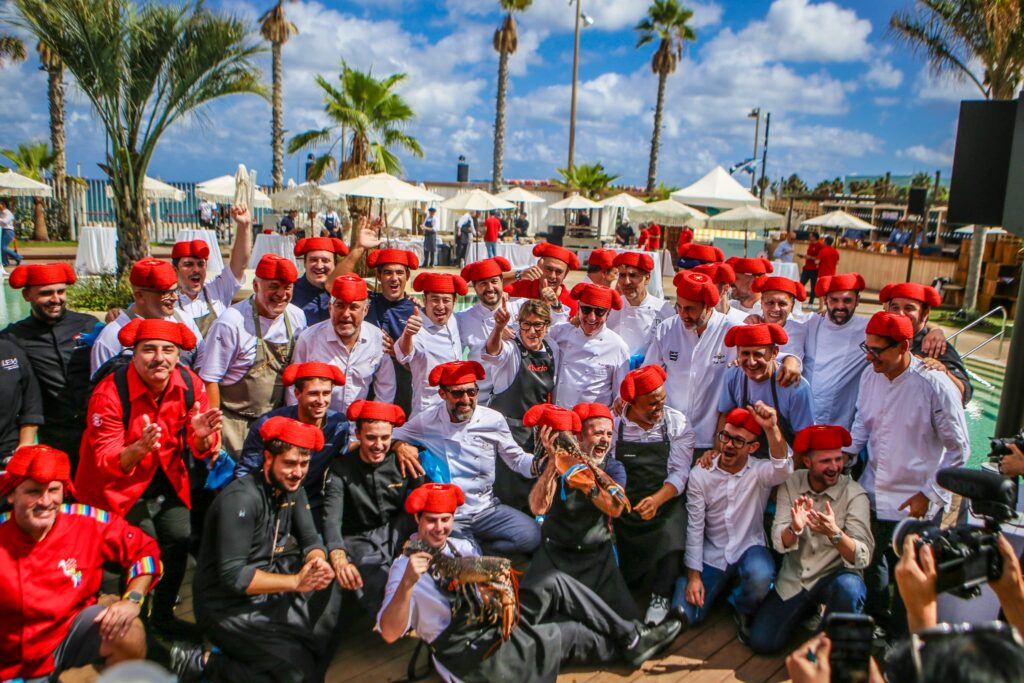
column 784, row 426
column 474, row 652
column 533, row 385
column 642, row 543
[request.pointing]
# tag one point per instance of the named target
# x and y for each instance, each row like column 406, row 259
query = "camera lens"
column 905, row 528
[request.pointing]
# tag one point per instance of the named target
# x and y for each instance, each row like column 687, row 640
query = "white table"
column 519, row 255
column 782, row 269
column 655, row 286
column 215, row 262
column 413, row 245
column 97, row 251
column 282, row 245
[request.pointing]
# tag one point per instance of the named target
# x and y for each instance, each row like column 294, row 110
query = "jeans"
column 841, row 591
column 492, row 249
column 8, row 253
column 755, row 571
column 503, row 530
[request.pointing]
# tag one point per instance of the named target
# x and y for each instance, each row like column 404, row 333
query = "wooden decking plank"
column 720, row 665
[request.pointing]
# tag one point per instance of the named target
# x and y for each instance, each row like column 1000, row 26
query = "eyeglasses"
column 593, row 310
column 875, row 351
column 164, row 294
column 533, row 324
column 738, row 441
column 459, row 393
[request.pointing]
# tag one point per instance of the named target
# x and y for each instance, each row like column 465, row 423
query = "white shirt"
column 726, row 511
column 636, row 324
column 504, row 368
column 475, row 325
column 796, row 330
column 681, row 439
column 696, row 367
column 433, row 345
column 735, row 304
column 913, row 426
column 590, row 369
column 6, row 220
column 206, row 210
column 231, row 347
column 833, row 364
column 365, row 365
column 107, row 345
column 221, row 292
column 469, row 448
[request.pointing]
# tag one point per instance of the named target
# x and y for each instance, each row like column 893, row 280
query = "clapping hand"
column 824, row 521
column 799, row 514
column 150, row 438
column 205, row 424
column 315, row 575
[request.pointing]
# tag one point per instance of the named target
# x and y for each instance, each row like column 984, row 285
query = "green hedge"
column 100, row 293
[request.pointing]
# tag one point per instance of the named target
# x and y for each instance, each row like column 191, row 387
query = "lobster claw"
column 618, row 494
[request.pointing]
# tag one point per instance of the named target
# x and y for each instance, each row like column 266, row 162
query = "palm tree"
column 506, row 40
column 143, row 67
column 12, row 49
column 590, row 180
column 276, row 29
column 367, row 111
column 55, row 95
column 667, row 22
column 663, row 191
column 32, row 160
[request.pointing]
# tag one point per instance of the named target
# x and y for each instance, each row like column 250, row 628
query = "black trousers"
column 809, row 276
column 460, row 253
column 168, row 521
column 880, row 577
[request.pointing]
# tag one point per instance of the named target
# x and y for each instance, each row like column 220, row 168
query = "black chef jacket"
column 19, row 396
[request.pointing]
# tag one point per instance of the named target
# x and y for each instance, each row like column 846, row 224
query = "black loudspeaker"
column 989, row 157
column 462, row 171
column 915, row 201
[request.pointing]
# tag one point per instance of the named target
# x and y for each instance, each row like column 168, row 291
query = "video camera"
column 1001, row 446
column 965, row 556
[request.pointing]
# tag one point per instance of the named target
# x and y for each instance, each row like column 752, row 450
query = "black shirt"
column 59, row 355
column 360, row 497
column 19, row 396
column 951, row 359
column 314, row 301
column 245, row 530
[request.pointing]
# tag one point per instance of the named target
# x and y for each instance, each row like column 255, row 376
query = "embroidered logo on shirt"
column 537, row 368
column 9, row 364
column 70, row 569
column 97, row 421
column 673, row 356
column 718, row 358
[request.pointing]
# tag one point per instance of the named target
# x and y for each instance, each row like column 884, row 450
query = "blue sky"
column 844, row 97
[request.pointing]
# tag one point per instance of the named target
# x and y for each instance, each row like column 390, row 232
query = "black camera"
column 966, row 556
column 1001, row 446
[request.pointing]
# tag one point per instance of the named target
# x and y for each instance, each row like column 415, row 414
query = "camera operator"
column 1012, row 464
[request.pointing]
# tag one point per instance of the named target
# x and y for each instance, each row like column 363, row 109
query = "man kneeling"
column 570, row 625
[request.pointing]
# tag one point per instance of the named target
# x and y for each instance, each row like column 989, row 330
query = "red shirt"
column 828, row 257
column 654, row 237
column 45, row 584
column 492, row 228
column 530, row 289
column 812, row 254
column 685, row 237
column 100, row 481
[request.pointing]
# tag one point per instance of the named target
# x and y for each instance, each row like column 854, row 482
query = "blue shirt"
column 335, row 431
column 389, row 316
column 795, row 403
column 314, row 301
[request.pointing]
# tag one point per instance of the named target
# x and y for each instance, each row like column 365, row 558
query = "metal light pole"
column 756, row 115
column 764, row 154
column 575, row 75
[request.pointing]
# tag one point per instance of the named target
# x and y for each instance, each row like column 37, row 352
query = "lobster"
column 487, row 587
column 571, row 462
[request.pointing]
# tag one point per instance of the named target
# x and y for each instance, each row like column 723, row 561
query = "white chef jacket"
column 680, row 436
column 469, row 448
column 365, row 365
column 796, row 330
column 475, row 325
column 726, row 511
column 231, row 347
column 433, row 345
column 834, row 364
column 559, row 315
column 913, row 426
column 636, row 324
column 590, row 369
column 107, row 344
column 696, row 369
column 220, row 291
column 753, row 310
column 737, row 316
column 504, row 368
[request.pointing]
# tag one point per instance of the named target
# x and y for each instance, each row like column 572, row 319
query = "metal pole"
column 935, row 200
column 757, row 134
column 1011, row 405
column 575, row 75
column 764, row 156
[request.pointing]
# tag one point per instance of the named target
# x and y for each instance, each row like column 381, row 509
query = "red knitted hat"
column 751, row 266
column 153, row 274
column 548, row 415
column 274, row 267
column 929, row 296
column 292, row 432
column 439, row 499
column 297, row 371
column 895, row 327
column 602, row 258
column 635, row 259
column 830, row 284
column 331, row 244
column 401, row 257
column 780, row 284
column 743, row 418
column 193, row 249
column 348, row 288
column 589, row 410
column 695, row 251
column 641, row 381
column 456, row 372
column 596, row 295
column 556, row 252
column 165, row 330
column 486, row 269
column 440, row 283
column 374, row 410
column 720, row 273
column 39, row 274
column 821, row 438
column 696, row 287
column 764, row 334
column 39, row 463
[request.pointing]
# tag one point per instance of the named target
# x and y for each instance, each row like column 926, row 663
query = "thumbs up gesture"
column 414, row 324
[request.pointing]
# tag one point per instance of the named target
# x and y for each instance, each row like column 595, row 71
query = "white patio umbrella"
column 670, row 212
column 16, row 185
column 520, row 196
column 307, row 196
column 155, row 189
column 477, row 200
column 969, row 230
column 575, row 202
column 839, row 220
column 747, row 217
column 382, row 186
column 623, row 200
column 222, row 190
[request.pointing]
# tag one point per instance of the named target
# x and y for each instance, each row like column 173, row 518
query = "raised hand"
column 205, row 424
column 502, row 316
column 823, row 522
column 532, row 273
column 549, row 297
column 765, row 415
column 369, row 232
column 241, row 215
column 799, row 514
column 414, row 324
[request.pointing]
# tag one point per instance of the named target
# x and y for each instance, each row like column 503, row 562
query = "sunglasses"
column 533, row 324
column 738, row 441
column 593, row 310
column 459, row 393
column 875, row 351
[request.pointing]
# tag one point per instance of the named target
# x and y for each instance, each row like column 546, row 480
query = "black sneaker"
column 742, row 628
column 187, row 662
column 652, row 640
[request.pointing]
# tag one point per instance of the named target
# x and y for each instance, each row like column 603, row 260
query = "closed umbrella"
column 477, row 200
column 16, row 185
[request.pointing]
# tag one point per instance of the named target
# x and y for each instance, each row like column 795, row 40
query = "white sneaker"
column 657, row 610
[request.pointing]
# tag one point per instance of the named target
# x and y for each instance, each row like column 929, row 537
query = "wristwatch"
column 134, row 597
column 834, row 540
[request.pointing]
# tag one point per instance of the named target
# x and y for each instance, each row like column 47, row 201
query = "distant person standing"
column 685, row 237
column 492, row 229
column 287, row 225
column 465, row 229
column 207, row 214
column 331, row 223
column 429, row 227
column 828, row 258
column 624, row 234
column 784, row 251
column 521, row 225
column 7, row 224
column 809, row 274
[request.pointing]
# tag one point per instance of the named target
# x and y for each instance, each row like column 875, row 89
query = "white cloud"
column 943, row 158
column 883, row 75
column 559, row 16
column 947, row 86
